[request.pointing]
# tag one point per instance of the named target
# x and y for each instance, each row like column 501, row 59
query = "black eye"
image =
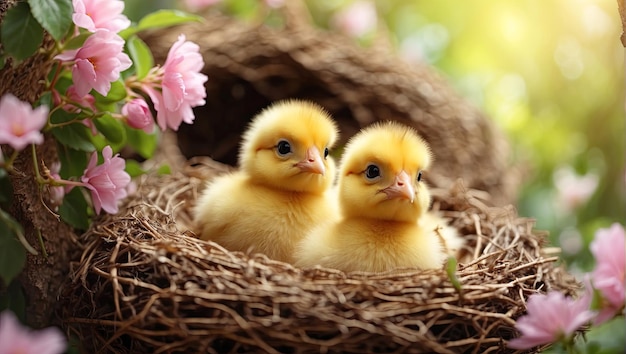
column 283, row 147
column 419, row 176
column 372, row 172
column 326, row 153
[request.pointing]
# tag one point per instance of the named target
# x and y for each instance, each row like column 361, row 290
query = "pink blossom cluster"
column 93, row 15
column 97, row 63
column 196, row 5
column 15, row 338
column 181, row 85
column 573, row 190
column 609, row 250
column 138, row 115
column 175, row 88
column 20, row 124
column 106, row 182
column 553, row 317
column 356, row 20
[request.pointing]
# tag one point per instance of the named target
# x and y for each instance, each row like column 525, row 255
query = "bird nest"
column 145, row 284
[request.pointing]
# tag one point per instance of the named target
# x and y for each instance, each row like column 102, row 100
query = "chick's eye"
column 326, row 153
column 372, row 172
column 283, row 147
column 419, row 176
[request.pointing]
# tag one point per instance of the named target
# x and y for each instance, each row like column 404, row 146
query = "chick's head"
column 380, row 174
column 287, row 145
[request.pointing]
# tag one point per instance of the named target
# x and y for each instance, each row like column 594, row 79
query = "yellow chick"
column 281, row 188
column 384, row 223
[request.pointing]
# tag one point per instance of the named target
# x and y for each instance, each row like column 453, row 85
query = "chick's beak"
column 312, row 162
column 402, row 187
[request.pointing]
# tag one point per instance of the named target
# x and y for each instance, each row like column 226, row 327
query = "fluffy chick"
column 384, row 223
column 281, row 188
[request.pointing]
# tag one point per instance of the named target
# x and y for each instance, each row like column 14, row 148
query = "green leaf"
column 76, row 136
column 166, row 18
column 160, row 19
column 116, row 93
column 112, row 129
column 597, row 301
column 14, row 300
column 141, row 56
column 164, row 170
column 74, row 209
column 133, row 168
column 21, row 33
column 53, row 15
column 78, row 41
column 73, row 162
column 243, row 9
column 6, row 189
column 451, row 270
column 62, row 116
column 12, row 253
column 143, row 143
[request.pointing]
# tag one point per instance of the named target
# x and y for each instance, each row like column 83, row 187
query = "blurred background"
column 549, row 73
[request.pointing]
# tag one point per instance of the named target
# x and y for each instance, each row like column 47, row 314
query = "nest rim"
column 260, row 300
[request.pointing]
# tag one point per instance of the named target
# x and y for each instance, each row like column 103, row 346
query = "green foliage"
column 74, row 209
column 140, row 55
column 78, row 41
column 164, row 170
column 116, row 94
column 13, row 299
column 451, row 266
column 112, row 129
column 244, row 9
column 144, row 144
column 12, row 253
column 73, row 162
column 6, row 189
column 160, row 19
column 21, row 34
column 133, row 168
column 55, row 16
column 76, row 136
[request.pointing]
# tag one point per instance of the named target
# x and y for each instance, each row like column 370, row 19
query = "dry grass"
column 145, row 284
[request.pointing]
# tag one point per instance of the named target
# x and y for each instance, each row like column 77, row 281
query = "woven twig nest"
column 250, row 66
column 145, row 284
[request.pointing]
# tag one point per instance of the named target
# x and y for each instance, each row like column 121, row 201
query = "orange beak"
column 402, row 187
column 312, row 162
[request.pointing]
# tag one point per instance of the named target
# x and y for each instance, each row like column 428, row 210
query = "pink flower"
column 195, row 5
column 182, row 85
column 609, row 250
column 57, row 193
column 76, row 101
column 97, row 63
column 275, row 4
column 15, row 338
column 138, row 115
column 357, row 19
column 20, row 124
column 100, row 14
column 573, row 190
column 107, row 182
column 550, row 318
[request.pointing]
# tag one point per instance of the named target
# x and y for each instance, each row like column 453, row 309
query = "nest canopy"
column 143, row 284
